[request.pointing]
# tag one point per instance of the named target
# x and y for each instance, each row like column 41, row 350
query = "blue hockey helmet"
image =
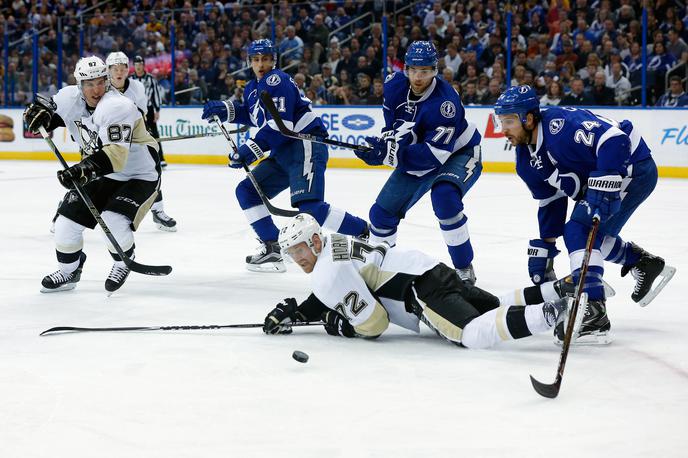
column 421, row 54
column 262, row 46
column 519, row 100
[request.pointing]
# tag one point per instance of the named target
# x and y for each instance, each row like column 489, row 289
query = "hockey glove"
column 80, row 173
column 279, row 319
column 384, row 152
column 602, row 197
column 39, row 113
column 337, row 325
column 248, row 153
column 541, row 261
column 223, row 110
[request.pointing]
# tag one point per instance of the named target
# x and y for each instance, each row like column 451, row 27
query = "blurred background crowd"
column 574, row 52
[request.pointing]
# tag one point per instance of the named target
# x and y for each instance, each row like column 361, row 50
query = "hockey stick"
column 271, row 208
column 284, row 130
column 552, row 390
column 65, row 329
column 207, row 134
column 133, row 265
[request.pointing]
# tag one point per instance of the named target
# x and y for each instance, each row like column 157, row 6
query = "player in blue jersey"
column 432, row 147
column 603, row 165
column 295, row 164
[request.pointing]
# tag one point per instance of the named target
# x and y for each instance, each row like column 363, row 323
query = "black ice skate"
column 645, row 271
column 467, row 275
column 557, row 314
column 595, row 327
column 59, row 281
column 118, row 274
column 163, row 221
column 268, row 258
column 565, row 287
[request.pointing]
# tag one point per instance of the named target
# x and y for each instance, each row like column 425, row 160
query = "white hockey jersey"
column 134, row 91
column 367, row 284
column 116, row 121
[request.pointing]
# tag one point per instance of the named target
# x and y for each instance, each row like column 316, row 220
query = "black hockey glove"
column 80, row 173
column 280, row 318
column 337, row 325
column 39, row 113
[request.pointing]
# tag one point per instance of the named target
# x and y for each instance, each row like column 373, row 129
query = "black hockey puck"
column 300, row 356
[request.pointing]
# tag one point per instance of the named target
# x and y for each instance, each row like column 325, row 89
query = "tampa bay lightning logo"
column 448, row 109
column 555, row 125
column 273, row 80
column 523, row 89
column 389, row 77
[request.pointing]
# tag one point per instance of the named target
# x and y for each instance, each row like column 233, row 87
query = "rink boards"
column 665, row 131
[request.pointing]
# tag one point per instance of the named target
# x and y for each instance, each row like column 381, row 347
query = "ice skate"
column 566, row 287
column 467, row 275
column 645, row 271
column 163, row 221
column 117, row 277
column 268, row 258
column 60, row 281
column 594, row 328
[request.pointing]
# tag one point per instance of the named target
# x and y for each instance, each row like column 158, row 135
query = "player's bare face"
column 118, row 74
column 420, row 78
column 261, row 64
column 513, row 129
column 302, row 255
column 94, row 90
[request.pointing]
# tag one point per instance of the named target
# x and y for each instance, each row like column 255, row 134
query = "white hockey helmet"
column 301, row 228
column 115, row 58
column 90, row 68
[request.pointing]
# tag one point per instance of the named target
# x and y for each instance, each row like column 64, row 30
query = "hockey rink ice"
column 239, row 393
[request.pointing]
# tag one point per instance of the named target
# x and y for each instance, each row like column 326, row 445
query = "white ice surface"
column 239, row 392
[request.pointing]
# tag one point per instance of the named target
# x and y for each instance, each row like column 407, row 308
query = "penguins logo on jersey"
column 273, row 80
column 89, row 139
column 448, row 110
column 555, row 125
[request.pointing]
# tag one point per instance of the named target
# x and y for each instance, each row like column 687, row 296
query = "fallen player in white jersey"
column 359, row 289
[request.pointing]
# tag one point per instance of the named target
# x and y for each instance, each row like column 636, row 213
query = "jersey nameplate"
column 340, row 247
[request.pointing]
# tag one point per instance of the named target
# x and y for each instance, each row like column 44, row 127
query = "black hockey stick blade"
column 67, row 329
column 271, row 208
column 146, row 269
column 284, row 130
column 547, row 390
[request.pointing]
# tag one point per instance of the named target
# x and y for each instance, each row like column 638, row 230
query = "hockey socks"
column 448, row 208
column 505, row 323
column 619, row 252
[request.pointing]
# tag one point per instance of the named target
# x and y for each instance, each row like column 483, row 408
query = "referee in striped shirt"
column 154, row 100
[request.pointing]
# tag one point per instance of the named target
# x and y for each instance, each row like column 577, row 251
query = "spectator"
column 537, row 63
column 470, row 94
column 577, row 96
column 676, row 97
column 448, row 75
column 494, row 90
column 394, row 64
column 344, row 96
column 676, row 46
column 319, row 33
column 600, row 92
column 553, row 95
column 620, row 84
column 377, row 96
column 436, row 11
column 291, row 47
column 363, row 89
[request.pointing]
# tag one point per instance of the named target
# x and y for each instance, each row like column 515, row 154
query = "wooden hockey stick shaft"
column 284, row 130
column 552, row 390
column 66, row 329
column 271, row 208
column 133, row 265
column 203, row 135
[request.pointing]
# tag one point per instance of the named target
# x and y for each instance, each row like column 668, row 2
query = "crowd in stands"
column 573, row 52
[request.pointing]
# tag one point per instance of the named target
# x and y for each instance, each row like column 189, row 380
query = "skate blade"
column 592, row 339
column 666, row 275
column 268, row 267
column 67, row 287
column 164, row 228
column 608, row 290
